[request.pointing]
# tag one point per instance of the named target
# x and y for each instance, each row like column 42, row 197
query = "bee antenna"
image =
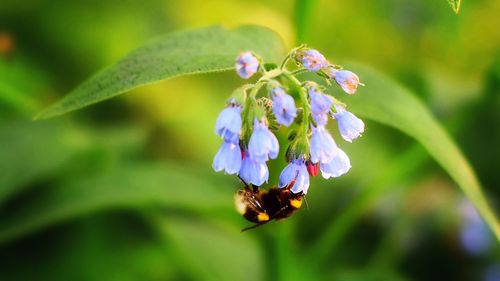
column 244, row 182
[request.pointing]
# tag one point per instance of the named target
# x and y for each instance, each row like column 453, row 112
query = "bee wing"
column 254, row 202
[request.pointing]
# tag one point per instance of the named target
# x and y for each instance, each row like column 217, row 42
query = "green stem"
column 299, row 71
column 302, row 135
column 285, row 60
column 248, row 113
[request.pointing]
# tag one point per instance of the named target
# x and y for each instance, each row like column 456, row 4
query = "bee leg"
column 254, row 226
column 251, row 187
column 248, row 186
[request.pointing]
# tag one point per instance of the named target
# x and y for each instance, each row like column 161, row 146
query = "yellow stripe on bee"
column 262, row 217
column 296, row 203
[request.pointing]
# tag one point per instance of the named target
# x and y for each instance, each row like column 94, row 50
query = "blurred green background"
column 124, row 190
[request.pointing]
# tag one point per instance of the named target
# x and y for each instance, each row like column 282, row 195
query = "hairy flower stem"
column 249, row 110
column 285, row 60
column 302, row 140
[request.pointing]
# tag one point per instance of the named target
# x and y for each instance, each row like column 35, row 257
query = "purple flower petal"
column 283, row 107
column 313, row 60
column 347, row 80
column 246, row 65
column 295, row 170
column 320, row 103
column 228, row 158
column 253, row 171
column 350, row 126
column 322, row 145
column 339, row 165
column 228, row 123
column 263, row 144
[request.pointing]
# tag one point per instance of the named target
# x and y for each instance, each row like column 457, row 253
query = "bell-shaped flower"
column 253, row 171
column 246, row 65
column 347, row 80
column 228, row 158
column 322, row 145
column 339, row 165
column 312, row 60
column 350, row 126
column 228, row 123
column 295, row 175
column 283, row 107
column 320, row 105
column 263, row 144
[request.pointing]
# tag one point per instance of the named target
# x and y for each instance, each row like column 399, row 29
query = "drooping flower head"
column 253, row 171
column 228, row 158
column 350, row 126
column 339, row 165
column 347, row 80
column 283, row 107
column 322, row 146
column 228, row 123
column 311, row 59
column 246, row 123
column 263, row 144
column 320, row 105
column 246, row 65
column 295, row 172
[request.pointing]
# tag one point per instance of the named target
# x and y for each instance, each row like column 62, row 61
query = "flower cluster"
column 280, row 98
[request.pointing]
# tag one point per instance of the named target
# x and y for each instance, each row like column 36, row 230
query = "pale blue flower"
column 339, row 165
column 228, row 123
column 347, row 80
column 350, row 126
column 246, row 65
column 263, row 144
column 228, row 158
column 253, row 171
column 283, row 107
column 320, row 105
column 313, row 60
column 322, row 145
column 295, row 171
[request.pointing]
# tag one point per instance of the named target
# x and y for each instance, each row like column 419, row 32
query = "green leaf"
column 455, row 5
column 385, row 101
column 204, row 50
column 139, row 185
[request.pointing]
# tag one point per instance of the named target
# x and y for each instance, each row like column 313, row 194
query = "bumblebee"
column 262, row 206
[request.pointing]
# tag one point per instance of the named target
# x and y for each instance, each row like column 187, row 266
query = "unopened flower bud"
column 347, row 80
column 246, row 65
column 311, row 59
